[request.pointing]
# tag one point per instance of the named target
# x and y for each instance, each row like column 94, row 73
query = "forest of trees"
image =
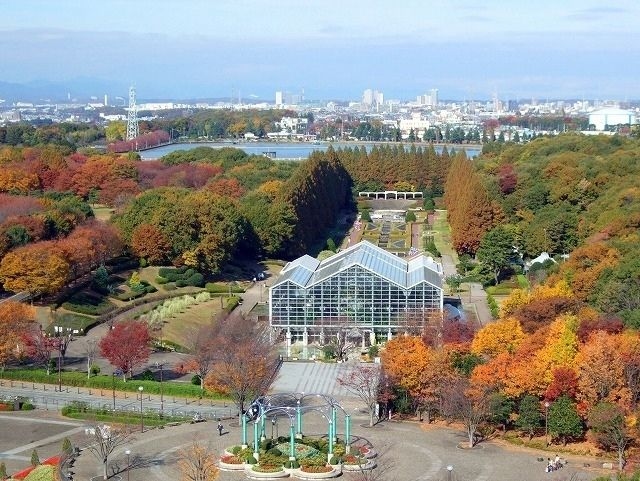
column 570, row 194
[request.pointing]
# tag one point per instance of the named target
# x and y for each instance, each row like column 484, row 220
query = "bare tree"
column 364, row 382
column 90, row 350
column 105, row 440
column 244, row 359
column 197, row 463
column 203, row 352
column 467, row 405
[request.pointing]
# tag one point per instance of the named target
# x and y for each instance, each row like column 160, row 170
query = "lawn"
column 102, row 212
column 181, row 328
column 442, row 235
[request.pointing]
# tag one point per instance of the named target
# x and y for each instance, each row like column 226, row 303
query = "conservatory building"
column 364, row 291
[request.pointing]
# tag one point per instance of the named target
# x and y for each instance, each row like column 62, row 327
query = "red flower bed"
column 6, row 407
column 23, row 474
column 53, row 460
column 231, row 459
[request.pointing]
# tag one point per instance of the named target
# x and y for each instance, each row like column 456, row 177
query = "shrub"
column 196, row 280
column 147, row 375
column 335, row 460
column 251, row 460
column 161, row 280
column 3, row 471
column 236, row 449
column 275, row 452
column 94, row 370
column 181, row 283
column 150, row 289
column 195, row 380
column 143, row 262
column 88, row 303
column 27, row 406
column 292, row 464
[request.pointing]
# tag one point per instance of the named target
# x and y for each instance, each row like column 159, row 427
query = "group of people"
column 553, row 464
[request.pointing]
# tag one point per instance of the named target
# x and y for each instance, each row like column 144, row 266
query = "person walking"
column 220, row 427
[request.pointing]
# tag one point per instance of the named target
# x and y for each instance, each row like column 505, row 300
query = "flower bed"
column 317, row 472
column 229, row 462
column 316, row 469
column 301, row 450
column 264, row 472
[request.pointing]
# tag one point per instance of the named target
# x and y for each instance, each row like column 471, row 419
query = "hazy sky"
column 329, row 48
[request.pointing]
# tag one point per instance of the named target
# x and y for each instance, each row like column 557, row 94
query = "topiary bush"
column 251, row 460
column 196, row 280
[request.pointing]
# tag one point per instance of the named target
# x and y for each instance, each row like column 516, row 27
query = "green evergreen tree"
column 564, row 421
column 3, row 471
column 410, row 217
column 67, row 449
column 35, row 460
column 529, row 417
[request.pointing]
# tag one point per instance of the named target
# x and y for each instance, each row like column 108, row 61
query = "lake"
column 282, row 150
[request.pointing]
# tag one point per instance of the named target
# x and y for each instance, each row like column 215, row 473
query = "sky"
column 330, row 49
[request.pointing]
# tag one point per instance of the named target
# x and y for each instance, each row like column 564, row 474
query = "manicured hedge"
column 86, row 302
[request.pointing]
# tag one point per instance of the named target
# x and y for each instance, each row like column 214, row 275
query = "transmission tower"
column 132, row 118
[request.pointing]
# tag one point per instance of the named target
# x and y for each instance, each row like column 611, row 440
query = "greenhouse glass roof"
column 307, row 271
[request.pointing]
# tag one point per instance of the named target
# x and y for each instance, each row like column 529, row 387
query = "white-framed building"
column 362, row 288
column 611, row 116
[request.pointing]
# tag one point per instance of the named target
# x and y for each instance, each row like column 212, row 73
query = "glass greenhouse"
column 361, row 289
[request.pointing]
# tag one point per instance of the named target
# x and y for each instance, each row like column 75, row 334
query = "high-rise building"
column 433, row 97
column 279, row 98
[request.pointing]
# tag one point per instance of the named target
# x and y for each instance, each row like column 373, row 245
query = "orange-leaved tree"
column 601, row 371
column 38, row 268
column 244, row 359
column 15, row 319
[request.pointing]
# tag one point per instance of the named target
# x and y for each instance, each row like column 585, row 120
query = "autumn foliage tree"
column 197, row 462
column 126, row 345
column 39, row 269
column 15, row 320
column 244, row 359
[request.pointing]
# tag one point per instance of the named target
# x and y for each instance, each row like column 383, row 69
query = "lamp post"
column 161, row 365
column 273, row 425
column 546, row 423
column 141, row 416
column 449, row 472
column 128, row 453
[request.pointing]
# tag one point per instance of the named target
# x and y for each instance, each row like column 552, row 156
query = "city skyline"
column 331, row 50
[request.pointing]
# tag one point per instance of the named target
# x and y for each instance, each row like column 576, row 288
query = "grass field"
column 442, row 237
column 181, row 328
column 102, row 212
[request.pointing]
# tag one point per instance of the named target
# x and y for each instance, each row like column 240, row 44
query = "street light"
column 128, row 453
column 273, row 425
column 546, row 423
column 160, row 365
column 450, row 472
column 141, row 417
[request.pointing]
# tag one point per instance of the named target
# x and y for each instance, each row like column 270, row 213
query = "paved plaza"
column 415, row 452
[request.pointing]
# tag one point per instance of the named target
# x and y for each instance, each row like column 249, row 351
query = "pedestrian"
column 220, row 427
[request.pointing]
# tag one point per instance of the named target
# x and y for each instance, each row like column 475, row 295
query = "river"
column 284, row 150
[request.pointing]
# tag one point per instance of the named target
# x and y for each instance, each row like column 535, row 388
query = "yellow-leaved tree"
column 501, row 336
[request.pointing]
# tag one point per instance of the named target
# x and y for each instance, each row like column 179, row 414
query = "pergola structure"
column 292, row 407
